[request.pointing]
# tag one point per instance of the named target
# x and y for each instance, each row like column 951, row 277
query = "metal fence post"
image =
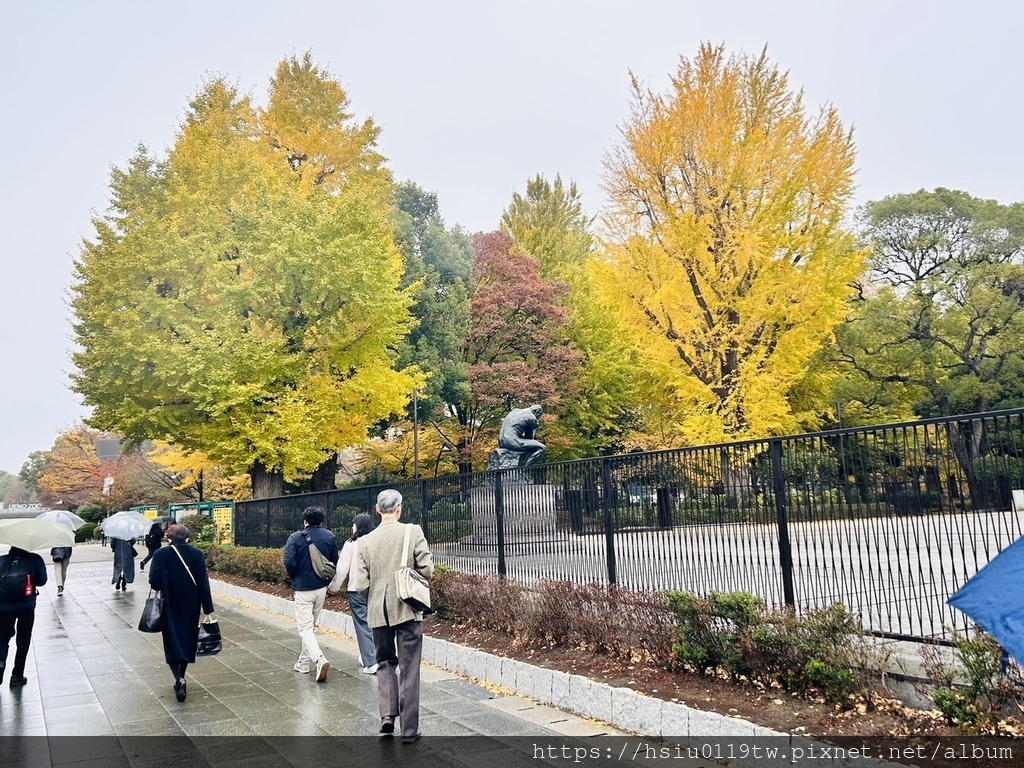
column 424, row 499
column 609, row 520
column 785, row 550
column 499, row 514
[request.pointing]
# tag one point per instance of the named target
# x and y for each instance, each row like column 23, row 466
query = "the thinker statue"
column 517, row 443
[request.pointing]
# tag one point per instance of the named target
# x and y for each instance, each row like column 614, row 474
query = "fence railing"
column 888, row 520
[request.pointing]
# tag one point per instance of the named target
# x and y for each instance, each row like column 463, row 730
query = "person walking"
column 309, row 590
column 361, row 526
column 18, row 608
column 124, row 564
column 179, row 573
column 61, row 556
column 154, row 540
column 397, row 627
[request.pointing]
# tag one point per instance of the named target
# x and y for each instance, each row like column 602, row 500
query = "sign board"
column 149, row 511
column 222, row 512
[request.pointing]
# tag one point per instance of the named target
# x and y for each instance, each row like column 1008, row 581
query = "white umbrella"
column 126, row 525
column 30, row 534
column 68, row 519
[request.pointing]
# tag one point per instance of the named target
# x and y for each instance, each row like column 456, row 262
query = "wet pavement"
column 99, row 694
column 92, row 673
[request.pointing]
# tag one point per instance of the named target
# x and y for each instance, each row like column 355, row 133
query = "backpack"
column 15, row 579
column 322, row 567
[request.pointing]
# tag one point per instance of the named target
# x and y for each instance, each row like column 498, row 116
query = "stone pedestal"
column 529, row 514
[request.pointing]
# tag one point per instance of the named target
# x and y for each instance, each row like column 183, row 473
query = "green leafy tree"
column 942, row 318
column 439, row 270
column 549, row 224
column 6, row 480
column 725, row 244
column 29, row 472
column 241, row 298
column 941, row 314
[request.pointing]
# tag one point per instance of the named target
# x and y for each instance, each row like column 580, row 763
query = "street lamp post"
column 415, row 436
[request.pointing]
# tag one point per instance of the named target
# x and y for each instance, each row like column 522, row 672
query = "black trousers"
column 147, row 558
column 17, row 624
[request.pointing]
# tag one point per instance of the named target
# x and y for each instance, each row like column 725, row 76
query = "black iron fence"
column 888, row 520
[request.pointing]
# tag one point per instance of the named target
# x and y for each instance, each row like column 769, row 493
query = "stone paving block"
column 675, row 720
column 579, row 694
column 525, row 680
column 492, row 669
column 711, row 724
column 476, row 665
column 431, row 647
column 542, row 684
column 590, row 699
column 509, row 667
column 634, row 712
column 469, row 660
column 456, row 659
column 559, row 689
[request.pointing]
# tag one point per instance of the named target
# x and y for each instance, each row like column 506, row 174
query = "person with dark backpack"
column 21, row 574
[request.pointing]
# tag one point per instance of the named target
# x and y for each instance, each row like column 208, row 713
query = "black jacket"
column 155, row 538
column 27, row 562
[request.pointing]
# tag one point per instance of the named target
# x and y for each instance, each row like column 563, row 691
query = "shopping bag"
column 152, row 619
column 209, row 643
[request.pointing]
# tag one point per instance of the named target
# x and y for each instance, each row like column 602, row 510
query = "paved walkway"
column 91, row 672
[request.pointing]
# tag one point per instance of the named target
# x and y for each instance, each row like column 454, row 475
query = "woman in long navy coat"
column 124, row 564
column 179, row 573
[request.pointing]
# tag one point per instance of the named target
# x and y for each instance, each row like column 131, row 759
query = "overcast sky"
column 473, row 98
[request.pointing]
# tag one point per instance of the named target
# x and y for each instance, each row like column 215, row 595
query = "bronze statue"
column 517, row 446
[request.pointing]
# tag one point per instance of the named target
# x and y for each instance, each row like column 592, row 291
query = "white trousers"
column 307, row 614
column 60, row 571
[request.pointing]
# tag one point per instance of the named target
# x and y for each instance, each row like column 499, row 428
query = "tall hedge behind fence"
column 888, row 520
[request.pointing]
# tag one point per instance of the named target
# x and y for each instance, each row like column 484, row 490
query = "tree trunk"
column 323, row 478
column 265, row 484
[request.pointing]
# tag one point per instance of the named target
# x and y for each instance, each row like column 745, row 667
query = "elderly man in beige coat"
column 397, row 628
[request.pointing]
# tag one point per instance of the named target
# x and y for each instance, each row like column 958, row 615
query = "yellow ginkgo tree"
column 724, row 247
column 241, row 299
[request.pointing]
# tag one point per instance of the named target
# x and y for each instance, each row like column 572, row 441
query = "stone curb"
column 622, row 708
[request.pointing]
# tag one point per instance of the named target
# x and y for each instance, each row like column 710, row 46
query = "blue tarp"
column 994, row 599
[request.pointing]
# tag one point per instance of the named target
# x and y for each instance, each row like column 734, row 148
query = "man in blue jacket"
column 309, row 588
column 18, row 609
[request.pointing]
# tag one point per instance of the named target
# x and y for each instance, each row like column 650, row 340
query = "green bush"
column 737, row 634
column 974, row 691
column 449, row 521
column 264, row 565
column 91, row 513
column 197, row 524
column 86, row 532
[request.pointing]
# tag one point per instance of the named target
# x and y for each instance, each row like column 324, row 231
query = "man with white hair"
column 397, row 627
